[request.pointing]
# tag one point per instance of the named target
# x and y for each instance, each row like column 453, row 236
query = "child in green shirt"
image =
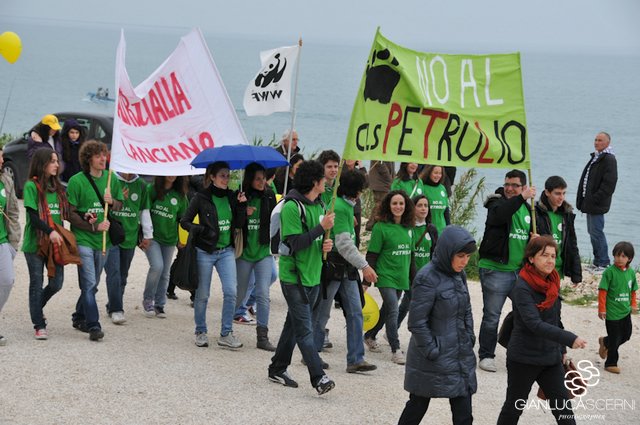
column 616, row 301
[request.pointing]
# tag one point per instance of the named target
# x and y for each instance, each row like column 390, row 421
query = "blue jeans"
column 114, row 288
column 225, row 264
column 388, row 317
column 496, row 287
column 38, row 297
column 352, row 307
column 250, row 297
column 298, row 329
column 126, row 256
column 160, row 258
column 88, row 277
column 262, row 270
column 595, row 227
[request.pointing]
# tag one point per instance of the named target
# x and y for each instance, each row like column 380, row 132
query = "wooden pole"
column 533, row 206
column 336, row 184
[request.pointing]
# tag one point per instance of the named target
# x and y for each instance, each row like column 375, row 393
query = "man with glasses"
column 506, row 234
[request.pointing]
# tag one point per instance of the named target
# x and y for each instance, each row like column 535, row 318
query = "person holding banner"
column 433, row 178
column 344, row 262
column 89, row 224
column 44, row 196
column 407, row 179
column 167, row 202
column 256, row 258
column 303, row 221
column 507, row 230
column 221, row 212
column 391, row 255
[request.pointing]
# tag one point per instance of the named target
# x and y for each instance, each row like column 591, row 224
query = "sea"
column 569, row 98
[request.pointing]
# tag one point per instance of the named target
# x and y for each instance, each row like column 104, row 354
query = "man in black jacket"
column 597, row 184
column 555, row 217
column 507, row 231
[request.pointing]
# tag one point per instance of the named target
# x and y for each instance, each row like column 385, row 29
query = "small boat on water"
column 101, row 96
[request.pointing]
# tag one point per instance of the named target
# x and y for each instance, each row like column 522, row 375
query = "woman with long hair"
column 256, row 257
column 538, row 342
column 45, row 200
column 436, row 192
column 167, row 203
column 425, row 236
column 221, row 212
column 407, row 179
column 9, row 236
column 390, row 254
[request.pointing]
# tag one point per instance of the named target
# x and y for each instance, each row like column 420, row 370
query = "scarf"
column 550, row 286
column 216, row 191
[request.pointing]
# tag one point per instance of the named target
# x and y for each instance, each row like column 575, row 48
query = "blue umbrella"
column 239, row 156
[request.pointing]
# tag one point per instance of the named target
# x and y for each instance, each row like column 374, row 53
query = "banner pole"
column 336, row 184
column 533, row 206
column 293, row 117
column 106, row 214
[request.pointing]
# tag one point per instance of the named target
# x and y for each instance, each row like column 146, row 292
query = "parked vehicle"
column 16, row 163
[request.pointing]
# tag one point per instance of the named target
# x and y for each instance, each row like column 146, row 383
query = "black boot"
column 263, row 339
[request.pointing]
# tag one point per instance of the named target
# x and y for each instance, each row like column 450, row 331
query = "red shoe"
column 41, row 334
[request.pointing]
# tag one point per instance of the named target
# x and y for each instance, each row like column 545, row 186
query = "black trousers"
column 417, row 406
column 618, row 332
column 519, row 381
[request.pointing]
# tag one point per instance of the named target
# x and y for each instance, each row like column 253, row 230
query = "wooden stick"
column 336, row 184
column 533, row 206
column 106, row 214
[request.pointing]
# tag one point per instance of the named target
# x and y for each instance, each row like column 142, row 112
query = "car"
column 16, row 164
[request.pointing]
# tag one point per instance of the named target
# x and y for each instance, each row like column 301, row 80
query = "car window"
column 100, row 133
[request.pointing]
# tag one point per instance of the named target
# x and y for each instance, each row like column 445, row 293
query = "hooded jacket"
column 570, row 255
column 207, row 232
column 601, row 183
column 440, row 358
column 495, row 242
column 71, row 150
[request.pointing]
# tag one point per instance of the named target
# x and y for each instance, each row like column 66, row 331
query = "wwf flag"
column 270, row 90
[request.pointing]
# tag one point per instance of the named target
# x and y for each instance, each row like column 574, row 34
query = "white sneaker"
column 398, row 357
column 373, row 345
column 3, row 341
column 117, row 318
column 229, row 341
column 488, row 365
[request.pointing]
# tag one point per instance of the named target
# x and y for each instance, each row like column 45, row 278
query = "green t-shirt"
column 166, row 214
column 308, row 262
column 422, row 253
column 135, row 201
column 344, row 220
column 80, row 194
column 253, row 251
column 619, row 284
column 556, row 231
column 393, row 243
column 518, row 239
column 438, row 203
column 410, row 187
column 223, row 208
column 30, row 197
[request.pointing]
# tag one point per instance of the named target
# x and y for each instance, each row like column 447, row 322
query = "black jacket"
column 440, row 358
column 538, row 337
column 495, row 242
column 601, row 184
column 207, row 232
column 570, row 255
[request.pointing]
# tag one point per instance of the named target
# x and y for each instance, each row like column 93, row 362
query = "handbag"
column 116, row 230
column 504, row 334
column 184, row 270
column 572, row 380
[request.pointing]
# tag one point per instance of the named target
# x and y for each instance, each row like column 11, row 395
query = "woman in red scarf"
column 538, row 342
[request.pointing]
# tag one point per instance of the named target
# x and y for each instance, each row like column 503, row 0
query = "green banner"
column 462, row 110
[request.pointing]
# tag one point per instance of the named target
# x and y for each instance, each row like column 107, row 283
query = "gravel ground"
column 148, row 371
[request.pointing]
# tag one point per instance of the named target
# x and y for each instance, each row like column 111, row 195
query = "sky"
column 543, row 25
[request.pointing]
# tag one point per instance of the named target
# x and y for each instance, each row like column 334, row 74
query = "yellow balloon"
column 370, row 312
column 10, row 46
column 183, row 234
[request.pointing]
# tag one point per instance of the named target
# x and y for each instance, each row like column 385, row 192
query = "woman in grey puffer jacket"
column 440, row 358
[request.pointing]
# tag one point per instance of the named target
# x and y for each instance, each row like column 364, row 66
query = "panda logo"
column 527, row 219
column 134, row 197
column 559, row 227
column 410, row 233
column 3, row 193
column 174, row 201
column 442, row 193
column 427, row 236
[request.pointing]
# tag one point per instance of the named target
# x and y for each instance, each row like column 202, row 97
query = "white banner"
column 178, row 111
column 270, row 90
